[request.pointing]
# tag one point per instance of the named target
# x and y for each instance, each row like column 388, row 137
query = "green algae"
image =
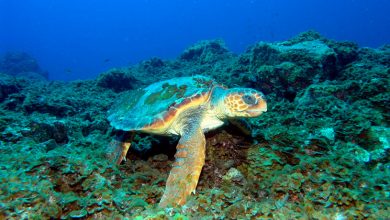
column 78, row 213
column 168, row 91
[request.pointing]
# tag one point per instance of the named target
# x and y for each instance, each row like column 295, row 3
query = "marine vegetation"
column 321, row 151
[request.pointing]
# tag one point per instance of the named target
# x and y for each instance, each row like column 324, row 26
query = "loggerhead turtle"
column 185, row 106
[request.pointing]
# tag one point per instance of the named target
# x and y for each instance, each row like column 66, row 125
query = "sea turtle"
column 188, row 107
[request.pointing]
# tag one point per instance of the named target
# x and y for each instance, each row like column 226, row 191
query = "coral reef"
column 21, row 64
column 8, row 85
column 206, row 52
column 320, row 152
column 118, row 80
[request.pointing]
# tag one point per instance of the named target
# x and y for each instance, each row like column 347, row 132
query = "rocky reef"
column 320, row 152
column 21, row 64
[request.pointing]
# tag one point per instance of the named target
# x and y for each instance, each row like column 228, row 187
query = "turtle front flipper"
column 184, row 176
column 243, row 125
column 117, row 149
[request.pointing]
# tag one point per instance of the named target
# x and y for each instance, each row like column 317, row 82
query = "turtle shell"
column 155, row 107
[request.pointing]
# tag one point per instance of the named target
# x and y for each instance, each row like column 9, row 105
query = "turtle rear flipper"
column 184, row 176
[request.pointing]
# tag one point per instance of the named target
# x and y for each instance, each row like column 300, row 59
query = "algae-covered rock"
column 379, row 142
column 20, row 63
column 145, row 143
column 287, row 68
column 153, row 66
column 8, row 85
column 206, row 52
column 43, row 131
column 233, row 175
column 117, row 79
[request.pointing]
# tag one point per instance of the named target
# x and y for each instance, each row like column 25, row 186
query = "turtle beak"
column 257, row 109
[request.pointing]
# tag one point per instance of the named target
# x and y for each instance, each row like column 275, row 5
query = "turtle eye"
column 249, row 99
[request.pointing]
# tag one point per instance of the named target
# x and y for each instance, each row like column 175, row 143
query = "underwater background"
column 321, row 151
column 78, row 40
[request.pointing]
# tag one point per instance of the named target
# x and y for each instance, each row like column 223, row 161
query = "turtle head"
column 244, row 102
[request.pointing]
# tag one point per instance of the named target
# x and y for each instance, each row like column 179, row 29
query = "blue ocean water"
column 80, row 39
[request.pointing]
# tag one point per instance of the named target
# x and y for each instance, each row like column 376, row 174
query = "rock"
column 11, row 135
column 44, row 131
column 50, row 144
column 19, row 63
column 286, row 68
column 328, row 133
column 31, row 76
column 153, row 66
column 140, row 203
column 40, row 100
column 78, row 213
column 118, row 80
column 160, row 158
column 143, row 143
column 347, row 52
column 205, row 52
column 8, row 85
column 379, row 140
column 99, row 125
column 233, row 175
column 359, row 154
